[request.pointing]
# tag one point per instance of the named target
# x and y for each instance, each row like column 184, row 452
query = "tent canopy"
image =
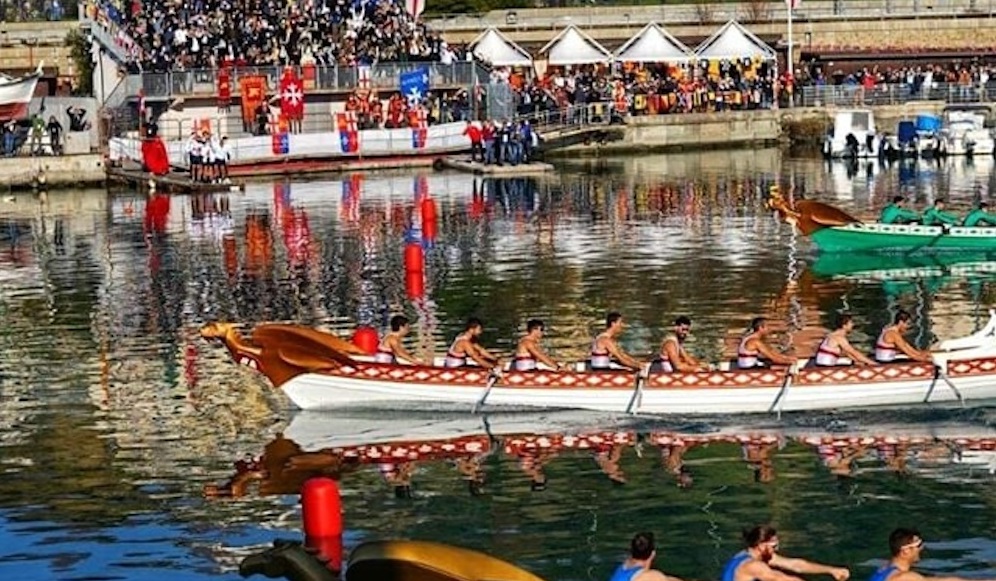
column 733, row 41
column 499, row 50
column 653, row 44
column 574, row 47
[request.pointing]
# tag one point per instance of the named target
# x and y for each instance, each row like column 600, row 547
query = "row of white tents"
column 652, row 44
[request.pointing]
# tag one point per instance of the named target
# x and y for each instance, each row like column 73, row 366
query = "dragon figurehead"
column 808, row 215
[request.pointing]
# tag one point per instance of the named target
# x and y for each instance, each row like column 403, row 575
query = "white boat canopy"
column 653, row 44
column 733, row 41
column 573, row 47
column 493, row 47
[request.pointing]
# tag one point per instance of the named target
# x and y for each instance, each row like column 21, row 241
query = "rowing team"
column 935, row 215
column 753, row 350
column 760, row 560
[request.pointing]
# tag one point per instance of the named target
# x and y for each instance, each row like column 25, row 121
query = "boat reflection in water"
column 310, row 447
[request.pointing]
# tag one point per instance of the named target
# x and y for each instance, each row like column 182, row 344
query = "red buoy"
column 321, row 507
column 414, row 257
column 429, row 225
column 366, row 338
column 415, row 284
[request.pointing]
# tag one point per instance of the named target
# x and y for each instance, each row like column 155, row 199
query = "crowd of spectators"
column 969, row 81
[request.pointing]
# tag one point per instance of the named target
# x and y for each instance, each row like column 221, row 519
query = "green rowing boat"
column 834, row 230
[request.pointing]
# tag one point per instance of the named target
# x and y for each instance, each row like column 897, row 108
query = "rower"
column 760, row 561
column 980, row 216
column 906, row 548
column 673, row 356
column 529, row 352
column 637, row 567
column 891, row 342
column 895, row 213
column 753, row 351
column 936, row 216
column 604, row 349
column 835, row 345
column 466, row 346
column 391, row 349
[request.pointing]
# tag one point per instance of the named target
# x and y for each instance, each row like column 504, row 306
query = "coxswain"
column 835, row 345
column 466, row 346
column 980, row 216
column 753, row 351
column 906, row 546
column 760, row 561
column 936, row 216
column 391, row 349
column 891, row 341
column 673, row 356
column 604, row 349
column 641, row 557
column 529, row 352
column 895, row 213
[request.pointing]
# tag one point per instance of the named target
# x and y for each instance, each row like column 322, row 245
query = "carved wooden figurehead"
column 809, row 215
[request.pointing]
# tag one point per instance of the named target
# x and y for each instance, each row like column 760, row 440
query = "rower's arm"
column 946, row 217
column 903, row 345
column 905, row 214
column 762, row 572
column 621, row 356
column 774, row 356
column 401, row 353
column 480, row 355
column 854, row 354
column 678, row 361
column 805, row 567
column 540, row 356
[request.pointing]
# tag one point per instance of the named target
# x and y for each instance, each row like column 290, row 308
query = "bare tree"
column 757, row 10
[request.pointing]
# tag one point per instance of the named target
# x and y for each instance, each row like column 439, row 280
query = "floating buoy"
column 321, row 507
column 366, row 338
column 415, row 284
column 414, row 258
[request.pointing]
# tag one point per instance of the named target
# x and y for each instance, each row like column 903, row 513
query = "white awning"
column 653, row 44
column 733, row 41
column 574, row 47
column 497, row 49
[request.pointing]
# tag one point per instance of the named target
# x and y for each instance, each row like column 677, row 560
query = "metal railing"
column 893, row 94
column 544, row 121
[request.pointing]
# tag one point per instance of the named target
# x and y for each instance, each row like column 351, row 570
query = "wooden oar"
column 492, row 380
column 789, row 373
column 938, row 374
column 641, row 377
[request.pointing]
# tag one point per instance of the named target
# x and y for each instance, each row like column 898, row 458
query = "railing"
column 544, row 121
column 716, row 13
column 106, row 31
column 893, row 94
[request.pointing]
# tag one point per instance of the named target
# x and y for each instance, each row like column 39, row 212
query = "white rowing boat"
column 317, row 370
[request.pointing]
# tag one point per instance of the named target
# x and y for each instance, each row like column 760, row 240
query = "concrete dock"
column 464, row 164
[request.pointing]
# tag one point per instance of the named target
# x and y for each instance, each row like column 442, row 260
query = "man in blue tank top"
column 906, row 546
column 760, row 561
column 637, row 566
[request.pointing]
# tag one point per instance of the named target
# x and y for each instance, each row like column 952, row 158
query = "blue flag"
column 415, row 84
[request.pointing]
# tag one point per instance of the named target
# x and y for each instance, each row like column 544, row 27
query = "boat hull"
column 905, row 238
column 735, row 392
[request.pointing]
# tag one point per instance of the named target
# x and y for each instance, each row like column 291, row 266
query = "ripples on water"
column 114, row 413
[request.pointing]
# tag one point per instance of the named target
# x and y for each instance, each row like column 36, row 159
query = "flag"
column 141, row 104
column 415, row 84
column 280, row 138
column 363, row 76
column 348, row 135
column 419, row 124
column 792, row 4
column 415, row 7
column 253, row 89
column 224, row 87
column 291, row 95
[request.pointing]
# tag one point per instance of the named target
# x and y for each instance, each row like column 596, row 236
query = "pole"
column 791, row 5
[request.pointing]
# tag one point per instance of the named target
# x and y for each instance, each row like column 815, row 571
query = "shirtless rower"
column 835, row 345
column 604, row 349
column 891, row 342
column 391, row 349
column 754, row 352
column 529, row 352
column 760, row 561
column 466, row 346
column 906, row 546
column 641, row 557
column 673, row 356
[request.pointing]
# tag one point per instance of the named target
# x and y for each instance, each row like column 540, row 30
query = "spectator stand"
column 737, row 70
column 653, row 64
column 574, row 69
column 511, row 67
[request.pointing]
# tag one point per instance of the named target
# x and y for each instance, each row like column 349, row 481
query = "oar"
column 641, row 376
column 492, row 380
column 938, row 374
column 781, row 392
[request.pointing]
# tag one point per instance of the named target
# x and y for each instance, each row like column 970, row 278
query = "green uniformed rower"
column 936, row 216
column 895, row 213
column 980, row 216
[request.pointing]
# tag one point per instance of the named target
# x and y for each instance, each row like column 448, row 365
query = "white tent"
column 574, row 47
column 497, row 49
column 733, row 41
column 653, row 44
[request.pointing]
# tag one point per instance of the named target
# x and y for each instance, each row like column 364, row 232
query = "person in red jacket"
column 474, row 134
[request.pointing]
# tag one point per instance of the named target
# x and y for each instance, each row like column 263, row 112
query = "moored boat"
column 317, row 370
column 833, row 230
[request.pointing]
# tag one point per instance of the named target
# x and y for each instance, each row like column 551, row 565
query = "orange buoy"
column 414, row 258
column 366, row 338
column 321, row 507
column 415, row 284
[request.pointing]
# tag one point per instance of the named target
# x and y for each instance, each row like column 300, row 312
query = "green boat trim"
column 903, row 237
column 882, row 267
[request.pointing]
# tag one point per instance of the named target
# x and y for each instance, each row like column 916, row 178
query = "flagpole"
column 790, row 4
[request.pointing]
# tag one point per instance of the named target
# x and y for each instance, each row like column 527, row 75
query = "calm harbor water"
column 114, row 414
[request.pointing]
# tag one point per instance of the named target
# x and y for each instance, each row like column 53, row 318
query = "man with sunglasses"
column 906, row 546
column 760, row 561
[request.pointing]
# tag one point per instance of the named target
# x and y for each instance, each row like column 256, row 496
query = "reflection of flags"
column 348, row 135
column 421, row 188
column 351, row 190
column 253, row 89
column 415, row 84
column 291, row 96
